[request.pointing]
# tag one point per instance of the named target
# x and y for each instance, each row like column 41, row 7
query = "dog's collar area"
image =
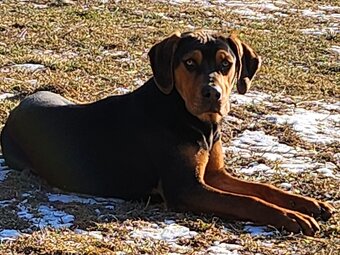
column 208, row 137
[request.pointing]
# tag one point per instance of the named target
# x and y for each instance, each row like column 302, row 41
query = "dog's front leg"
column 217, row 177
column 185, row 189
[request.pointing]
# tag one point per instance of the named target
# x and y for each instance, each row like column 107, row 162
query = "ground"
column 285, row 131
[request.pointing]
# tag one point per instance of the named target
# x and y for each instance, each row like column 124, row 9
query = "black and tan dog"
column 164, row 135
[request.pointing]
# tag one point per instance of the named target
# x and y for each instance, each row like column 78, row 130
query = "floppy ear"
column 247, row 63
column 161, row 58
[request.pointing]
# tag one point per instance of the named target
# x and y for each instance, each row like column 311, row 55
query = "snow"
column 322, row 31
column 70, row 198
column 252, row 97
column 3, row 170
column 52, row 217
column 121, row 90
column 327, row 170
column 9, row 234
column 250, row 14
column 330, row 106
column 225, row 249
column 3, row 174
column 258, row 230
column 335, row 49
column 329, row 8
column 312, row 126
column 81, row 199
column 7, row 202
column 170, row 233
column 48, row 216
column 29, row 67
column 95, row 234
column 257, row 143
column 263, row 10
column 116, row 53
column 6, row 95
column 138, row 83
column 286, row 186
column 257, row 168
column 23, row 212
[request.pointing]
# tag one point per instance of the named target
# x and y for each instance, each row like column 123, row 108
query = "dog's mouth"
column 212, row 117
column 213, row 112
column 204, row 108
column 215, row 108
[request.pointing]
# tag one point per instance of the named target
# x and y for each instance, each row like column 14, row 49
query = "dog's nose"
column 212, row 92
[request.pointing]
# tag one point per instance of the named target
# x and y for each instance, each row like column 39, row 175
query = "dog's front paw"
column 314, row 208
column 297, row 222
column 326, row 210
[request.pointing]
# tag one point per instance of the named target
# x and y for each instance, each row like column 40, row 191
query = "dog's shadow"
column 30, row 204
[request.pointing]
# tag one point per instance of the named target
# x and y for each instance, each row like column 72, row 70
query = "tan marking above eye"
column 195, row 56
column 224, row 58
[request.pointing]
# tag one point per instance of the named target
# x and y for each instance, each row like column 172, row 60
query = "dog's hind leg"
column 15, row 157
column 20, row 125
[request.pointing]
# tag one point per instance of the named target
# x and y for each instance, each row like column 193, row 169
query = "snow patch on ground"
column 28, row 67
column 4, row 171
column 257, row 168
column 252, row 97
column 258, row 230
column 330, row 30
column 312, row 126
column 263, row 10
column 7, row 202
column 257, row 143
column 286, row 186
column 81, row 199
column 3, row 174
column 48, row 216
column 9, row 234
column 170, row 233
column 6, row 95
column 319, row 126
column 335, row 50
column 225, row 249
column 121, row 91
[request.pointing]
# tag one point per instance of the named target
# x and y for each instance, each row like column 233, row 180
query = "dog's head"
column 203, row 67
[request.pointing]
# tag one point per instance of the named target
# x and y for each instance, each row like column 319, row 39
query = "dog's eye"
column 190, row 64
column 225, row 64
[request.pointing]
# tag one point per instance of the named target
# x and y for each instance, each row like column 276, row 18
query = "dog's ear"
column 247, row 63
column 161, row 58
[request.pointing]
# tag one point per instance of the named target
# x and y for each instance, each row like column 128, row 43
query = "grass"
column 90, row 50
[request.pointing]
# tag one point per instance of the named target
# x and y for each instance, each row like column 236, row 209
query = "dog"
column 164, row 136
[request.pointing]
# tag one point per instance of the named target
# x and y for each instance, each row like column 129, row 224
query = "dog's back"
column 80, row 148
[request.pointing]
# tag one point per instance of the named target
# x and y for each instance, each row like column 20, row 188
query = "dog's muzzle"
column 212, row 96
